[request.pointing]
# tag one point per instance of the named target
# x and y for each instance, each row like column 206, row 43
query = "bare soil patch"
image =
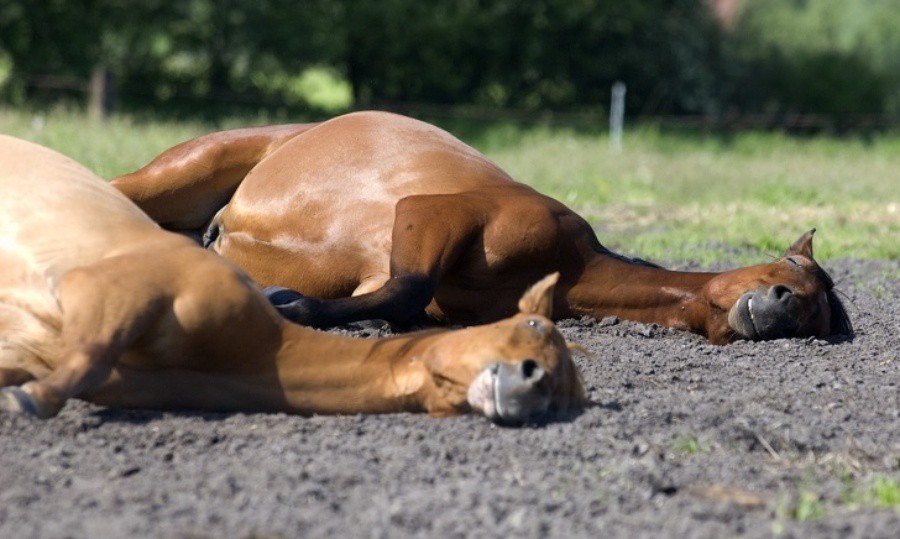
column 686, row 439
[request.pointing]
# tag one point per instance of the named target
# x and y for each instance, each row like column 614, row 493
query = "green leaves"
column 828, row 57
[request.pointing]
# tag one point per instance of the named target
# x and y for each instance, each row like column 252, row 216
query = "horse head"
column 790, row 297
column 509, row 371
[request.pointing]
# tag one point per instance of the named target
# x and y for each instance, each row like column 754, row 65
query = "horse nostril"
column 781, row 292
column 530, row 370
column 519, row 391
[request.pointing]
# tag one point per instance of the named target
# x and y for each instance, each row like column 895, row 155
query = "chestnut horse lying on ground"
column 97, row 302
column 381, row 216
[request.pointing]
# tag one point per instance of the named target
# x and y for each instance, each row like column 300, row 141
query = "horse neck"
column 614, row 286
column 330, row 374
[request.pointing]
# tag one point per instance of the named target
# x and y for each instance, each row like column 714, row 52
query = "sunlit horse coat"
column 375, row 215
column 96, row 301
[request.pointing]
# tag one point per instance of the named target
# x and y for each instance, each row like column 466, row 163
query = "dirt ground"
column 784, row 438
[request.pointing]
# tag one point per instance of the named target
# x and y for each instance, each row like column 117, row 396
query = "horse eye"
column 536, row 325
column 793, row 260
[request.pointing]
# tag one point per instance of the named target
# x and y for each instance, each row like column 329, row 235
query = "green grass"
column 110, row 148
column 665, row 196
column 882, row 492
column 691, row 445
column 684, row 197
column 804, row 504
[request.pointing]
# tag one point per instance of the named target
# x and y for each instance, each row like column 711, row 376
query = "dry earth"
column 687, row 440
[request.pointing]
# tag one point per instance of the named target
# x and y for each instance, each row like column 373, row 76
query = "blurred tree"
column 160, row 49
column 817, row 56
column 533, row 54
column 824, row 56
column 54, row 36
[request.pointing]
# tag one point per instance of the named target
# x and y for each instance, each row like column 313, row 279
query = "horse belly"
column 320, row 251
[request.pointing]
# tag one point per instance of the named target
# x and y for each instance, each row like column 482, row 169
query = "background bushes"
column 827, row 57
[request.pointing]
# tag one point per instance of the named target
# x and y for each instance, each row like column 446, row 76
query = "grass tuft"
column 691, row 445
column 881, row 491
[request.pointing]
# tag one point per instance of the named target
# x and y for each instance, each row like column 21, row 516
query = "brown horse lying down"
column 97, row 302
column 382, row 216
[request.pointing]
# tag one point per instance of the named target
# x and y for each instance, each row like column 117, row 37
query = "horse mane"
column 628, row 259
column 840, row 320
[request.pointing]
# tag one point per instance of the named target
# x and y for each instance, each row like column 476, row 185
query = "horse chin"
column 482, row 394
column 740, row 318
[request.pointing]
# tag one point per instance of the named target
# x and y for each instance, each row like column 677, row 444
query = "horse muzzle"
column 766, row 314
column 510, row 393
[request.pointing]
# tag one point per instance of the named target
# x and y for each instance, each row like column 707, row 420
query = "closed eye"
column 793, row 260
column 537, row 325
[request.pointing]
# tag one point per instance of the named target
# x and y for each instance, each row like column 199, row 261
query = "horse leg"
column 183, row 187
column 102, row 314
column 12, row 398
column 401, row 301
column 430, row 233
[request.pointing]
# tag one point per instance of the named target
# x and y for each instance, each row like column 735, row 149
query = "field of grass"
column 665, row 196
column 694, row 197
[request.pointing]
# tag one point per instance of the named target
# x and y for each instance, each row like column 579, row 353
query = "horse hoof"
column 297, row 308
column 15, row 400
column 279, row 295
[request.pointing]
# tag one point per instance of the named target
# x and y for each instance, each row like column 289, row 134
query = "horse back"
column 55, row 214
column 183, row 187
column 345, row 178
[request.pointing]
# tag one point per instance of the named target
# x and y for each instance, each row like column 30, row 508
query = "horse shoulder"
column 525, row 236
column 522, row 225
column 220, row 317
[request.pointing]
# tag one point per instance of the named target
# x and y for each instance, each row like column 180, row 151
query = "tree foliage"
column 818, row 56
column 823, row 56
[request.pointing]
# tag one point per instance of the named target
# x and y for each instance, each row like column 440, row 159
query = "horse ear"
column 539, row 298
column 803, row 246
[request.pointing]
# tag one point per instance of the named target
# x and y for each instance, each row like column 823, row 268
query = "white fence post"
column 100, row 93
column 616, row 116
